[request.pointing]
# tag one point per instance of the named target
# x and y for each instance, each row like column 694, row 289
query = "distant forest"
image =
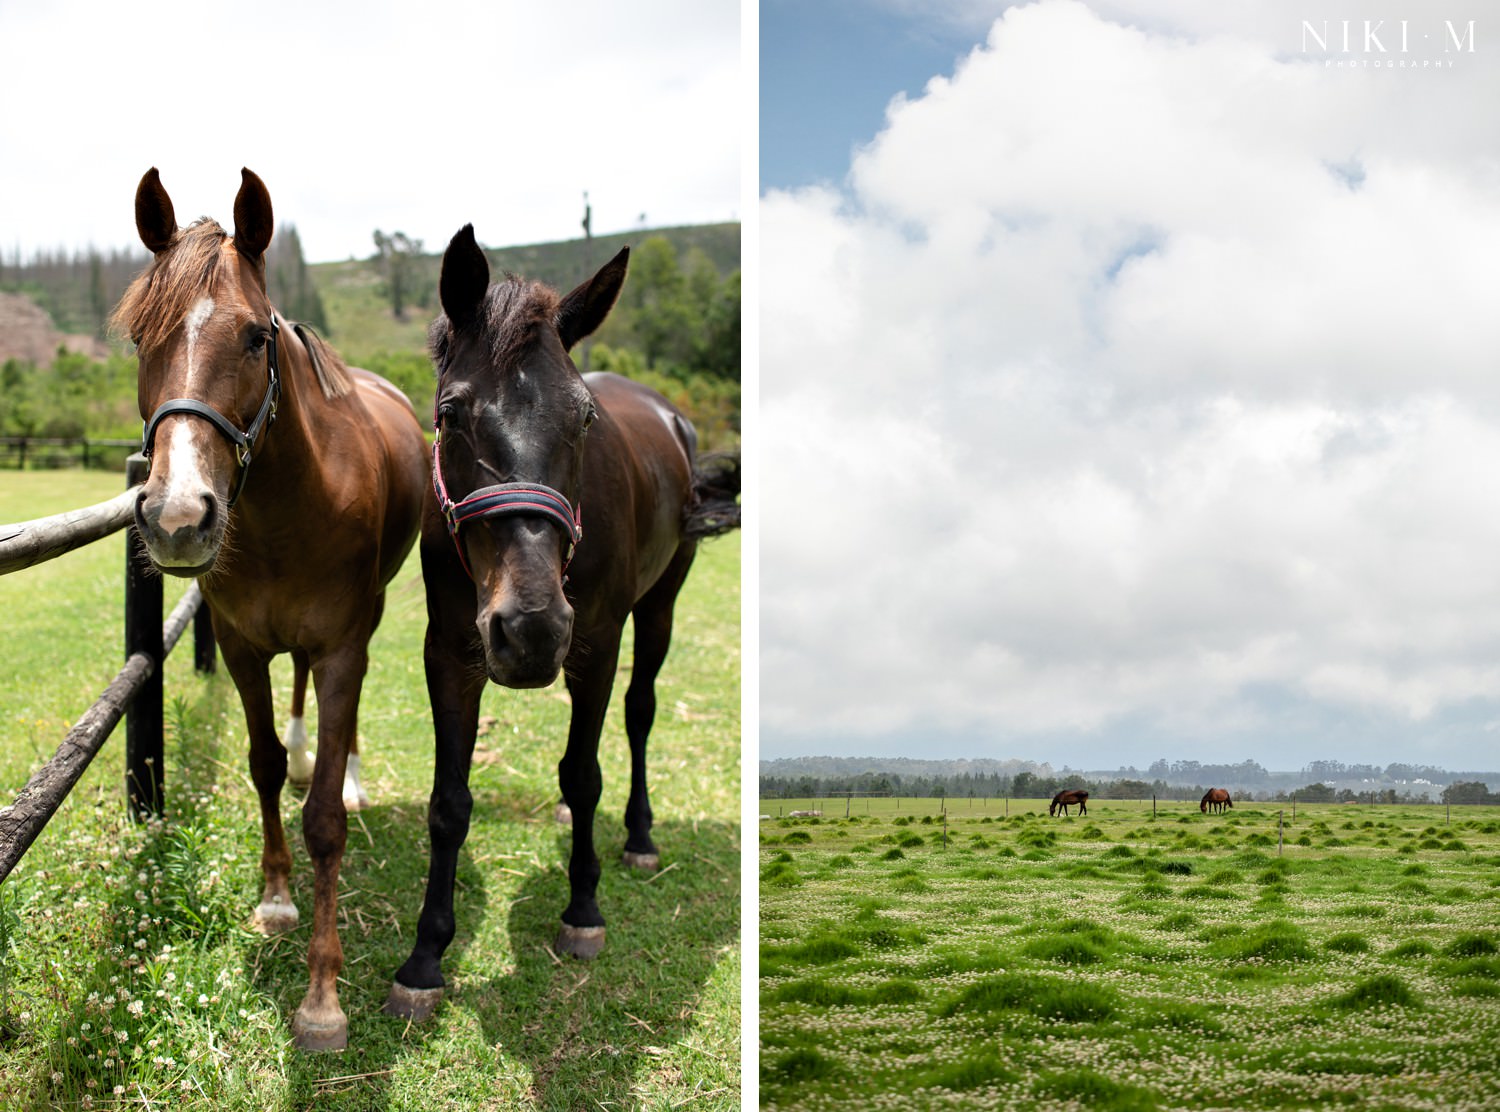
column 1317, row 781
column 676, row 327
column 79, row 290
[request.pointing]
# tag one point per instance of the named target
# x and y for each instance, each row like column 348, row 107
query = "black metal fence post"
column 143, row 634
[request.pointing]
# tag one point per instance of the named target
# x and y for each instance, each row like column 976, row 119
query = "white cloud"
column 1138, row 378
column 371, row 115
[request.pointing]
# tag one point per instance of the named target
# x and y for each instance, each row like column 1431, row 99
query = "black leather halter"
column 244, row 442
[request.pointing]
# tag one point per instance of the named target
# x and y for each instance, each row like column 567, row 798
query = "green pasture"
column 127, row 975
column 981, row 954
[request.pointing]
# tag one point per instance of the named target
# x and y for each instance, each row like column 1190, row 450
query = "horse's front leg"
column 250, row 671
column 455, row 682
column 582, row 930
column 320, row 1023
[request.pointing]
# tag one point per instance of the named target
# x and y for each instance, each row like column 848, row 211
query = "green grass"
column 124, row 957
column 1123, row 961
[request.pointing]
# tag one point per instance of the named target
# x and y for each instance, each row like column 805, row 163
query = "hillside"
column 361, row 325
column 676, row 327
column 27, row 333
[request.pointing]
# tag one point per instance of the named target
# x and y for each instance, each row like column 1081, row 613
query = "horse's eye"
column 590, row 416
column 257, row 341
column 446, row 415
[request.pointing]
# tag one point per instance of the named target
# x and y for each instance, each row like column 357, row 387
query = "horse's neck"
column 291, row 463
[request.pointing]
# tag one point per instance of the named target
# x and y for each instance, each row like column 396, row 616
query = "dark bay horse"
column 293, row 487
column 562, row 506
column 1215, row 800
column 1065, row 799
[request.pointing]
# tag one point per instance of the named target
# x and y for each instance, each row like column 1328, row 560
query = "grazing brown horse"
column 562, row 506
column 292, row 486
column 1066, row 799
column 1215, row 800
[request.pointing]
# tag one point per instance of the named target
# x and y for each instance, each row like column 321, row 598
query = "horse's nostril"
column 210, row 512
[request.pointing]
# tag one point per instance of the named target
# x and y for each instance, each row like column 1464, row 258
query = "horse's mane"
column 333, row 373
column 162, row 294
column 514, row 311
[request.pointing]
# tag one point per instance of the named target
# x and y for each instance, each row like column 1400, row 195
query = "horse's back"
column 645, row 413
column 638, row 482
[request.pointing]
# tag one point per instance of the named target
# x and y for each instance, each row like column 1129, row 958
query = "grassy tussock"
column 1126, row 962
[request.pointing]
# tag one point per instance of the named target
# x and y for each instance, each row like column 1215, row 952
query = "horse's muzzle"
column 526, row 647
column 182, row 523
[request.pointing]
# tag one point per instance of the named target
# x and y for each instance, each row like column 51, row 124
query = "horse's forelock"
column 161, row 295
column 514, row 314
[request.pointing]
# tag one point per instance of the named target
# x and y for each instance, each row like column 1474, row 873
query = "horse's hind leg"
column 299, row 766
column 252, row 677
column 653, row 636
column 355, row 798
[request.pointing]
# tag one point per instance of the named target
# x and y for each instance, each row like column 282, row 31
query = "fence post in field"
column 1153, row 805
column 1278, row 832
column 143, row 634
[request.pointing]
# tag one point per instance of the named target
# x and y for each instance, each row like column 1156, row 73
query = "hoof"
column 275, row 917
column 412, row 1003
column 563, row 815
column 646, row 862
column 316, row 1035
column 355, row 801
column 581, row 942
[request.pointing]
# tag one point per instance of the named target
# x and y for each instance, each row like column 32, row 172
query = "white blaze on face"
column 182, row 501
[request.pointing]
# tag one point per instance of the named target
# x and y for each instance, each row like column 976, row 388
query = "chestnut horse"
column 293, row 486
column 1066, row 799
column 1216, row 800
column 562, row 505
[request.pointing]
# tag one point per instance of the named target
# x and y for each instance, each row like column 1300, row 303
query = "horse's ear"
column 465, row 278
column 585, row 308
column 253, row 222
column 154, row 218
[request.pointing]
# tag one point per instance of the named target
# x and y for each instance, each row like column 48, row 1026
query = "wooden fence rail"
column 135, row 694
column 51, row 452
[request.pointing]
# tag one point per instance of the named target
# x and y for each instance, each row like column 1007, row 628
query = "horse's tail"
column 715, row 505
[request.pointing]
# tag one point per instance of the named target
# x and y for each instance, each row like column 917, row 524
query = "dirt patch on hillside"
column 26, row 333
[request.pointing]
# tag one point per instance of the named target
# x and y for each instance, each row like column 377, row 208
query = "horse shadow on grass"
column 595, row 1032
column 587, row 1033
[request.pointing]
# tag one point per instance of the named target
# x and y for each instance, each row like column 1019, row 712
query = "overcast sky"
column 419, row 118
column 1132, row 390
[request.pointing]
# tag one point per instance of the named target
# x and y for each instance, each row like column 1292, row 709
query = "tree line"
column 80, row 289
column 677, row 329
column 1031, row 785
